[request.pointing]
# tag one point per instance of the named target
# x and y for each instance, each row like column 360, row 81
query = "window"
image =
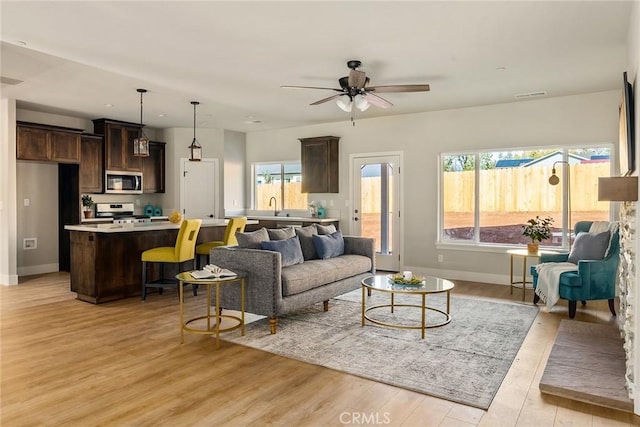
column 279, row 180
column 487, row 196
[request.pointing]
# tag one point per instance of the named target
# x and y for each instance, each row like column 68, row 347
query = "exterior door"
column 376, row 206
column 199, row 188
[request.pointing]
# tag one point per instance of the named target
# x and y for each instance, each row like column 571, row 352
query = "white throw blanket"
column 599, row 226
column 548, row 288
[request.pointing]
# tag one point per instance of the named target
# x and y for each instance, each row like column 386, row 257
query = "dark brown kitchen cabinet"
column 91, row 167
column 153, row 168
column 118, row 144
column 320, row 164
column 47, row 143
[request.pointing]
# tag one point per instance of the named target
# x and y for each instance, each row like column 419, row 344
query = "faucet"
column 275, row 208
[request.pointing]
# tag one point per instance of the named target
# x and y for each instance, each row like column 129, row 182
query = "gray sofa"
column 272, row 290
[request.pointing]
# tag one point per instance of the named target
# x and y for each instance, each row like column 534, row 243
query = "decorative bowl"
column 399, row 279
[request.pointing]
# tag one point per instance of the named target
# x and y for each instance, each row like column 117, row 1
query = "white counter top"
column 148, row 226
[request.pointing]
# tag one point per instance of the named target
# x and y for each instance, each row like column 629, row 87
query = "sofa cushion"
column 329, row 246
column 305, row 234
column 315, row 273
column 326, row 229
column 589, row 246
column 289, row 249
column 281, row 233
column 252, row 239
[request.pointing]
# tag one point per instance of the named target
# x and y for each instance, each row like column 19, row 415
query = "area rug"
column 464, row 361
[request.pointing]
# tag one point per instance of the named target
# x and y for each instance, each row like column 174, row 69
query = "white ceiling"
column 75, row 57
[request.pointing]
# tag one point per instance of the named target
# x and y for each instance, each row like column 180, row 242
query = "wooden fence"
column 524, row 189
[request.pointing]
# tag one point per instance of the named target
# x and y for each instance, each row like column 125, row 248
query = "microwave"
column 123, row 182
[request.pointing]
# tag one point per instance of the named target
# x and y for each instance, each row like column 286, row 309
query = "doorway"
column 376, row 205
column 199, row 188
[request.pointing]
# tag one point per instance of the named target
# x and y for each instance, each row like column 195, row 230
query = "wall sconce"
column 618, row 188
column 195, row 149
column 141, row 144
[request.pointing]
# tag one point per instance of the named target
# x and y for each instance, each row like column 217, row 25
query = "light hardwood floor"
column 66, row 362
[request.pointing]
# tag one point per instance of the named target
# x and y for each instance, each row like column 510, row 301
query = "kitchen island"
column 105, row 258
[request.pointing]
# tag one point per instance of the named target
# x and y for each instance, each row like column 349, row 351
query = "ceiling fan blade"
column 398, row 88
column 377, row 101
column 357, row 78
column 311, row 87
column 329, row 98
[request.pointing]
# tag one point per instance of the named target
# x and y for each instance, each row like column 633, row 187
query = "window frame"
column 476, row 244
column 282, row 164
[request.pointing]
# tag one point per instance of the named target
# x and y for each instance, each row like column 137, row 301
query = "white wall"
column 8, row 217
column 235, row 152
column 178, row 141
column 580, row 120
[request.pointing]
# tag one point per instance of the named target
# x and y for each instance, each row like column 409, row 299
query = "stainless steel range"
column 121, row 213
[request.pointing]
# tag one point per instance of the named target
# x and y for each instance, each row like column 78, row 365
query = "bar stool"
column 235, row 225
column 184, row 250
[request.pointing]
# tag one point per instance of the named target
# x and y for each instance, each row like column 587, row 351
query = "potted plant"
column 537, row 229
column 87, row 205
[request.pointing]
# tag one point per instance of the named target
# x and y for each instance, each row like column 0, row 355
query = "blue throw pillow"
column 589, row 246
column 290, row 250
column 329, row 245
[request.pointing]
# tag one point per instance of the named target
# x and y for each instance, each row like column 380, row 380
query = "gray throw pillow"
column 589, row 246
column 290, row 251
column 305, row 234
column 326, row 229
column 252, row 239
column 281, row 233
column 330, row 245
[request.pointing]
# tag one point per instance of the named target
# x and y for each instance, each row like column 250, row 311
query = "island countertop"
column 145, row 226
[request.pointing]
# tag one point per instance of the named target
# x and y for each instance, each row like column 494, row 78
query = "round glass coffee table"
column 430, row 285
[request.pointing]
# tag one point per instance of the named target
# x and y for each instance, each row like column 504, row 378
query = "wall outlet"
column 440, row 258
column 27, row 202
column 30, row 243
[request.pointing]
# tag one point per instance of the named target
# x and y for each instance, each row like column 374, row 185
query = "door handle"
column 355, row 219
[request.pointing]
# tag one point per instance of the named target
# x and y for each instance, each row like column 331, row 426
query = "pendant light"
column 195, row 149
column 141, row 144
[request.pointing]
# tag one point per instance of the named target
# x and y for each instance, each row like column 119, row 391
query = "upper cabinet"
column 91, row 164
column 118, row 144
column 320, row 164
column 47, row 143
column 153, row 168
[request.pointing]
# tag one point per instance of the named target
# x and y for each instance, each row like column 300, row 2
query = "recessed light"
column 252, row 122
column 162, row 115
column 108, row 105
column 501, row 68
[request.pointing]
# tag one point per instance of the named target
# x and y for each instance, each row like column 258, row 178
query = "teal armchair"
column 594, row 280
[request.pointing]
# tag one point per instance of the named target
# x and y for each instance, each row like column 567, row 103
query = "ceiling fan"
column 354, row 89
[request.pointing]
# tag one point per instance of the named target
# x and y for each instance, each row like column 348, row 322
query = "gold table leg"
column 524, row 276
column 181, row 289
column 511, row 275
column 424, row 309
column 241, row 304
column 218, row 318
column 363, row 299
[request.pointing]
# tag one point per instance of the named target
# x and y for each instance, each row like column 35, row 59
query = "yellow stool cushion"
column 205, row 248
column 161, row 254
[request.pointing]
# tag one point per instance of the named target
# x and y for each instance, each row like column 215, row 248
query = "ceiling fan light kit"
column 355, row 88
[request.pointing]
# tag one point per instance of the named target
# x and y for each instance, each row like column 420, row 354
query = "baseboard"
column 469, row 276
column 8, row 280
column 38, row 269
